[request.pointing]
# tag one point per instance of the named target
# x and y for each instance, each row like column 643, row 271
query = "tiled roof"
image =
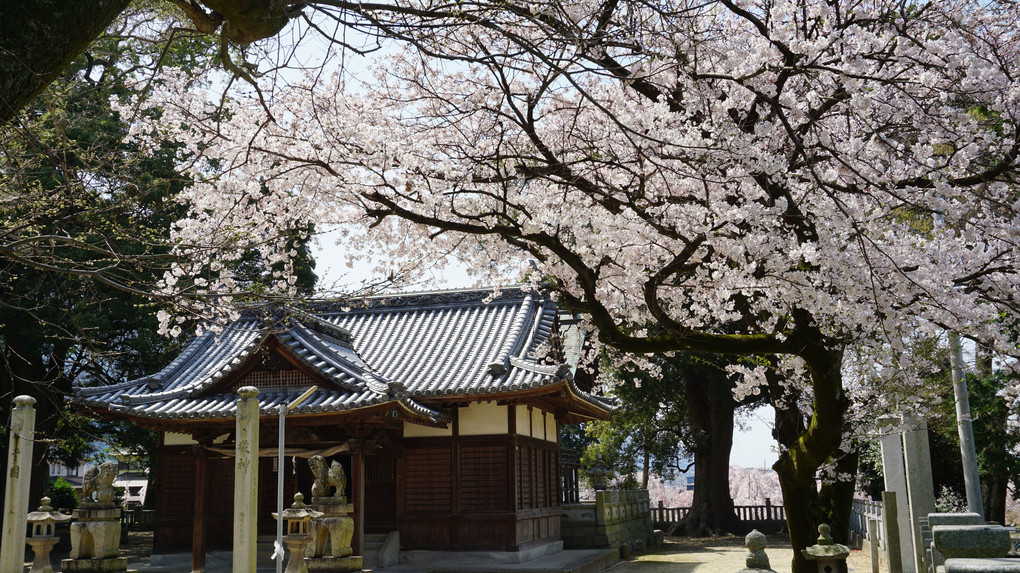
column 405, row 349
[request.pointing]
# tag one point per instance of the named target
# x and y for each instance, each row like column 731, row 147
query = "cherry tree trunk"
column 807, row 446
column 710, row 411
column 37, row 41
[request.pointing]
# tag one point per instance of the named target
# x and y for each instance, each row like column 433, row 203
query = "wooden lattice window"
column 275, row 379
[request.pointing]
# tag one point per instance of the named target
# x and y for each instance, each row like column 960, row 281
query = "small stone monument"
column 296, row 540
column 830, row 556
column 44, row 535
column 95, row 535
column 333, row 529
column 756, row 561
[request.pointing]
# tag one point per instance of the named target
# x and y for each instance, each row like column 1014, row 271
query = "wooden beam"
column 358, row 493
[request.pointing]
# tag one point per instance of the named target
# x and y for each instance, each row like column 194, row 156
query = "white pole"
column 971, row 480
column 284, row 408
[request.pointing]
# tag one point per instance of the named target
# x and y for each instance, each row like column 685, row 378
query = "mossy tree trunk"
column 807, row 445
column 710, row 408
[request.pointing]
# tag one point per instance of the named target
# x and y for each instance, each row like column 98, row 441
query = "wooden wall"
column 175, row 501
column 478, row 492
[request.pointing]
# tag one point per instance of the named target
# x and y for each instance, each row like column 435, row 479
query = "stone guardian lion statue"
column 97, row 485
column 327, row 477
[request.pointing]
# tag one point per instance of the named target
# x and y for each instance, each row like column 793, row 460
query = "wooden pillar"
column 201, row 518
column 358, row 493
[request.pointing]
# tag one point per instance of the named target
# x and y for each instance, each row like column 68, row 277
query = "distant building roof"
column 410, row 350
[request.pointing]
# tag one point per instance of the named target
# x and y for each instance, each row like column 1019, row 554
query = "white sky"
column 753, row 446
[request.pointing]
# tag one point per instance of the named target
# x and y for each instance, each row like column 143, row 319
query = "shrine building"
column 442, row 407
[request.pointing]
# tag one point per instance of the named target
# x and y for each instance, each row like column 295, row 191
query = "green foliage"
column 651, row 421
column 86, row 217
column 574, row 437
column 63, row 496
column 870, row 478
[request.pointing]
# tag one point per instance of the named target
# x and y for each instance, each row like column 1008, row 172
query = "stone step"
column 370, row 547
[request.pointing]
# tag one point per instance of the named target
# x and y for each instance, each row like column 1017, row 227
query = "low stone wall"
column 616, row 518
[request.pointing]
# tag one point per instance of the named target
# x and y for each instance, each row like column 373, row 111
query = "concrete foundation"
column 333, row 564
column 481, row 557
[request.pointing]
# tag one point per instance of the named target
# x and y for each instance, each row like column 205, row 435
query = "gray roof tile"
column 399, row 348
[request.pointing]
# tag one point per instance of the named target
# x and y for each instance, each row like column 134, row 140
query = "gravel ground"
column 675, row 555
column 719, row 555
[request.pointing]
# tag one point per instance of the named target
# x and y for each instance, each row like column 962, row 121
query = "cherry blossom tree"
column 826, row 179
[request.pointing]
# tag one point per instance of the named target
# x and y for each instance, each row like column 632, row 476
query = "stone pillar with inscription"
column 19, row 479
column 331, row 534
column 246, row 480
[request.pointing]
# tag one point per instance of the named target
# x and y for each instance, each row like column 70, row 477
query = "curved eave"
column 222, row 408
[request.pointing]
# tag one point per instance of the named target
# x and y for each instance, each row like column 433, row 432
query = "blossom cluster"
column 717, row 164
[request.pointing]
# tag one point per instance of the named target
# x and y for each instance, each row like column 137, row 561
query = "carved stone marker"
column 757, row 560
column 334, row 529
column 19, row 474
column 246, row 480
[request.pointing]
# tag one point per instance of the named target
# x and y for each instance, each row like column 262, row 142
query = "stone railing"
column 615, row 519
column 766, row 517
column 862, row 512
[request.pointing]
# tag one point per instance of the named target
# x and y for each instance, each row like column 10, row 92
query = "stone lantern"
column 598, row 474
column 830, row 556
column 296, row 539
column 44, row 535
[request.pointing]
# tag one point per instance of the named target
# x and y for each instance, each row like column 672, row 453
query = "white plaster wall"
column 416, row 431
column 550, row 427
column 175, row 439
column 523, row 421
column 483, row 418
column 537, row 424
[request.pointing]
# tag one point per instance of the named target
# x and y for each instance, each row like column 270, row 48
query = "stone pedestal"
column 330, row 549
column 41, row 547
column 93, row 565
column 334, row 530
column 334, row 564
column 95, row 539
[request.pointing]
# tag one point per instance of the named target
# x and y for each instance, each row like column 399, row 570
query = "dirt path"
column 718, row 555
